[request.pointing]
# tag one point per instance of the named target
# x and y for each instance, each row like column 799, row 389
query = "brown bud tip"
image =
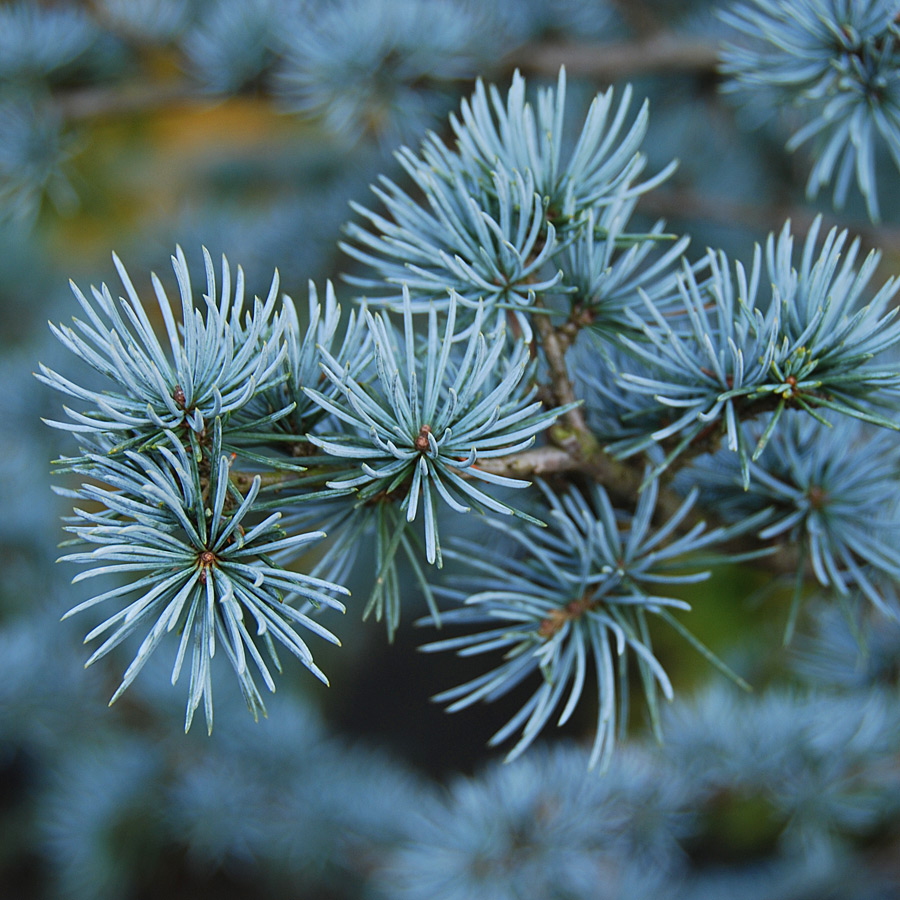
column 421, row 442
column 207, row 558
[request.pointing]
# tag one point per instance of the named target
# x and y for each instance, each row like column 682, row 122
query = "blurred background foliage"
column 247, row 126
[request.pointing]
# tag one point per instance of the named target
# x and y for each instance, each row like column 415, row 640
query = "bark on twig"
column 127, row 99
column 662, row 52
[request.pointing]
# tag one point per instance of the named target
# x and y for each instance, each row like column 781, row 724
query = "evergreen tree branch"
column 409, row 421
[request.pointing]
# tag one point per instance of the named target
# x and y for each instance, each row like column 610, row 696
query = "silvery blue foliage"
column 22, row 483
column 827, row 318
column 303, row 359
column 215, row 365
column 607, row 269
column 382, row 68
column 602, row 167
column 537, row 828
column 496, row 260
column 513, row 24
column 810, row 344
column 155, row 21
column 823, row 486
column 499, row 210
column 417, row 415
column 33, row 152
column 836, row 63
column 821, row 763
column 199, row 571
column 354, row 426
column 355, row 527
column 328, row 810
column 576, row 595
column 703, row 369
column 838, row 653
column 38, row 42
column 437, row 410
column 36, row 712
column 89, row 848
column 839, row 875
column 231, row 45
column 437, row 406
column 780, row 796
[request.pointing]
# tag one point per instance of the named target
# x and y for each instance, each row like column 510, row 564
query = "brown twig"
column 661, row 52
column 540, row 461
column 574, row 446
column 127, row 99
column 655, row 51
column 554, row 346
